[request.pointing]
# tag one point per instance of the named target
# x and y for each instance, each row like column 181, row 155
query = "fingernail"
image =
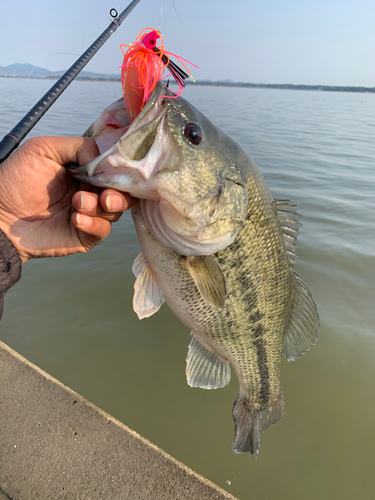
column 84, row 220
column 87, row 202
column 114, row 202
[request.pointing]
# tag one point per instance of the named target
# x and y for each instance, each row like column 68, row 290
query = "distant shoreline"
column 279, row 86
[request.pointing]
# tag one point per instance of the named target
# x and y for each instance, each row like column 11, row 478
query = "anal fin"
column 147, row 297
column 303, row 329
column 205, row 369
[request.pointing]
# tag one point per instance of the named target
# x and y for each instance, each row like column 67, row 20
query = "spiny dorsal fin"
column 289, row 218
column 208, row 278
column 204, row 368
column 147, row 296
column 303, row 329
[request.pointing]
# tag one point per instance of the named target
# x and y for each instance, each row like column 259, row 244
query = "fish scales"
column 216, row 247
column 260, row 281
column 249, row 330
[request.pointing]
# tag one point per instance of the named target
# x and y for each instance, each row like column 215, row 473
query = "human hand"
column 38, row 198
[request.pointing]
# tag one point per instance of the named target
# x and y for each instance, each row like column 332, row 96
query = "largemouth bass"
column 216, row 247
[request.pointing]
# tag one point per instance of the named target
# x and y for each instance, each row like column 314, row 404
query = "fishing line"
column 162, row 10
column 52, row 55
column 12, row 140
column 161, row 14
column 174, row 6
column 27, row 88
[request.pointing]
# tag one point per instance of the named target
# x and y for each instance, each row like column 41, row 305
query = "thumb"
column 63, row 150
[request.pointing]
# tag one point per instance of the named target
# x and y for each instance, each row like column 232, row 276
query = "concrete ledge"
column 56, row 445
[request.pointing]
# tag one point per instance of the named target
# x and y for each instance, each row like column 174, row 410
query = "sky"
column 321, row 42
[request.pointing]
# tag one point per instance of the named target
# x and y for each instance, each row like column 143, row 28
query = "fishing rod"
column 12, row 140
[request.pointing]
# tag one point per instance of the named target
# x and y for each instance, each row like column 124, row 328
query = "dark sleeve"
column 10, row 267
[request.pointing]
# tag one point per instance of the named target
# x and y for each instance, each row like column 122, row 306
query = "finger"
column 91, row 230
column 114, row 201
column 88, row 204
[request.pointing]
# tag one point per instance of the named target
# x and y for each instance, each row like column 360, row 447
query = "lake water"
column 73, row 316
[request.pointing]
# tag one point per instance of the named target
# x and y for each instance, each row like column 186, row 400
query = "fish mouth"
column 137, row 155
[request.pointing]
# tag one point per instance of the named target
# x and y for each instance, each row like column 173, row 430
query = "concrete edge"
column 145, row 441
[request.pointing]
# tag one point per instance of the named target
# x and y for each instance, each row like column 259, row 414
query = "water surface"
column 73, row 316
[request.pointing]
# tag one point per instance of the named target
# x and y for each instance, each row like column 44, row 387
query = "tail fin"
column 250, row 423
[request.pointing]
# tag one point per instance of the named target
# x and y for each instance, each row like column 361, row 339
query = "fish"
column 217, row 248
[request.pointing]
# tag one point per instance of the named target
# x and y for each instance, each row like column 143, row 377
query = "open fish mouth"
column 129, row 163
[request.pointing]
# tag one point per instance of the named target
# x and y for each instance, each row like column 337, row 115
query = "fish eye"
column 193, row 133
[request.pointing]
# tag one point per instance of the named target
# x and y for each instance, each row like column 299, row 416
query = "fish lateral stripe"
column 260, row 345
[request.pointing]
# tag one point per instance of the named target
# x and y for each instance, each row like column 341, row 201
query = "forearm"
column 10, row 267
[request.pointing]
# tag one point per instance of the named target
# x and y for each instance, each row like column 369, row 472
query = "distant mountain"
column 27, row 70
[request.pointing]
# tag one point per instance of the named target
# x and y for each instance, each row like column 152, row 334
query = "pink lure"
column 143, row 66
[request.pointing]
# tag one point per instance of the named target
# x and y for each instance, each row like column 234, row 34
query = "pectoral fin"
column 205, row 369
column 138, row 265
column 303, row 329
column 147, row 295
column 208, row 278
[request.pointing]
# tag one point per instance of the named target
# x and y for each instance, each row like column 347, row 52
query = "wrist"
column 5, row 228
column 10, row 266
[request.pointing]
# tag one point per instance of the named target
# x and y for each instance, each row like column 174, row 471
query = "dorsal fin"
column 303, row 329
column 204, row 368
column 289, row 218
